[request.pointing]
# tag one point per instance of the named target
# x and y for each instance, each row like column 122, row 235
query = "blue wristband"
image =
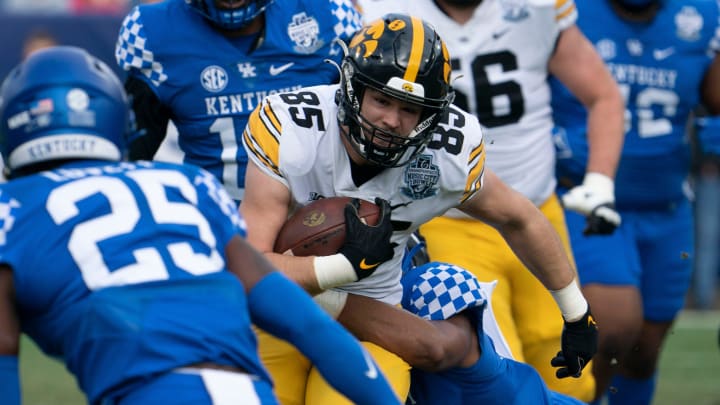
column 283, row 309
column 9, row 380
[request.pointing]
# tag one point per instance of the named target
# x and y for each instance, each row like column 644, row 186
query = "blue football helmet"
column 62, row 103
column 437, row 291
column 234, row 16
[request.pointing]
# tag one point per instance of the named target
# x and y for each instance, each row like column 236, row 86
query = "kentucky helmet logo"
column 421, row 178
column 304, row 32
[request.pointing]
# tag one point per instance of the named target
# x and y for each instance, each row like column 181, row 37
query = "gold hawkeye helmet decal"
column 447, row 69
column 367, row 39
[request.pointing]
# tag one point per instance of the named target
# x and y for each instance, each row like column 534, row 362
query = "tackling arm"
column 9, row 340
column 428, row 345
column 280, row 307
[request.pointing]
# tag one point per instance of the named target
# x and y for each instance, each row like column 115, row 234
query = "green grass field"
column 689, row 369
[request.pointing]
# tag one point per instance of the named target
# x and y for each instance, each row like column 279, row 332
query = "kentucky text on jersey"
column 241, row 102
column 643, row 75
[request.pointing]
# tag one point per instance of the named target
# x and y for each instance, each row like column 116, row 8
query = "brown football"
column 318, row 229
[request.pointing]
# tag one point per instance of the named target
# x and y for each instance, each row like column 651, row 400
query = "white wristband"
column 571, row 301
column 332, row 271
column 332, row 301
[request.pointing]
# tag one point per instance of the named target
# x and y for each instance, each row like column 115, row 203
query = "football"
column 318, row 228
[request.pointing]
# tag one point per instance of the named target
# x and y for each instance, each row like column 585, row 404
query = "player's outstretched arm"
column 534, row 241
column 283, row 309
column 9, row 340
column 579, row 67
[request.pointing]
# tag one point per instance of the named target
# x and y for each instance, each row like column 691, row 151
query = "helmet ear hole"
column 404, row 58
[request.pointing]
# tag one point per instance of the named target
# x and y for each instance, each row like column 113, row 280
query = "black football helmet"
column 402, row 57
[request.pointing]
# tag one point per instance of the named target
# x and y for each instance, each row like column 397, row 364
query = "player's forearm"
column 537, row 244
column 431, row 346
column 298, row 269
column 539, row 247
column 281, row 308
column 606, row 133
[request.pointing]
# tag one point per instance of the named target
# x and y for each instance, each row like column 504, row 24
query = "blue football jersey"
column 211, row 82
column 659, row 67
column 491, row 380
column 119, row 271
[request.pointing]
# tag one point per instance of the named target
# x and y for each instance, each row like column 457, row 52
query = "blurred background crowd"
column 68, row 6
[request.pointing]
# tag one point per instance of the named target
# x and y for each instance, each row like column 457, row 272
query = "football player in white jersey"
column 388, row 130
column 502, row 53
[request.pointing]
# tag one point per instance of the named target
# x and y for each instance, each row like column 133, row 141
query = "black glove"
column 579, row 345
column 366, row 247
column 602, row 220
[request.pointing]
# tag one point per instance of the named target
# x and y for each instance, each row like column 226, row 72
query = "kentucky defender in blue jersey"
column 136, row 275
column 465, row 358
column 206, row 64
column 663, row 56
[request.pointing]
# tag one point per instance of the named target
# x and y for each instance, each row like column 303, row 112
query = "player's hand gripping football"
column 594, row 198
column 366, row 247
column 579, row 344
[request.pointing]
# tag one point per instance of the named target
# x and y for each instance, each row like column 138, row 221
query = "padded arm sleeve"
column 152, row 119
column 281, row 308
column 9, row 380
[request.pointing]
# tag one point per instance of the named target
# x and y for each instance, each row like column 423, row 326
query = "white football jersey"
column 295, row 138
column 500, row 68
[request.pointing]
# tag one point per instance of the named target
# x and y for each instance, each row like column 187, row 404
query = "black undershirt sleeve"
column 152, row 119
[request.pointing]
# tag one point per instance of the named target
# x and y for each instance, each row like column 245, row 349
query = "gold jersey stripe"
column 476, row 185
column 416, row 50
column 273, row 118
column 259, row 154
column 563, row 8
column 477, row 160
column 262, row 130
